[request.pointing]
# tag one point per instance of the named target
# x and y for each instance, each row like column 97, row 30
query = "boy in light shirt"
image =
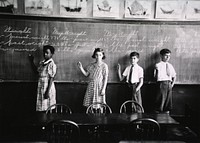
column 165, row 76
column 134, row 75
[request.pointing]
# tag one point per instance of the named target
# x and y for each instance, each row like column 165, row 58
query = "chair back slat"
column 59, row 109
column 98, row 108
column 144, row 129
column 63, row 131
column 131, row 106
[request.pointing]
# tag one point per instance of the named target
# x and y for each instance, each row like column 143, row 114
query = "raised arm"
column 121, row 77
column 85, row 73
column 34, row 67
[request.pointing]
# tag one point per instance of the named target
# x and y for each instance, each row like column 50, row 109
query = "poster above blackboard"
column 75, row 41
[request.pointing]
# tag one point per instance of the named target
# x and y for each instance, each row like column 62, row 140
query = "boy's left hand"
column 137, row 89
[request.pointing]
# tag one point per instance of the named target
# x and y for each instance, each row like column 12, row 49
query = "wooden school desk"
column 38, row 122
column 83, row 119
column 40, row 119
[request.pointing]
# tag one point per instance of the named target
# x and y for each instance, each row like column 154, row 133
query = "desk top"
column 88, row 119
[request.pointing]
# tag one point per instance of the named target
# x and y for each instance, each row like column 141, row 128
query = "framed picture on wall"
column 193, row 10
column 138, row 9
column 39, row 7
column 170, row 9
column 75, row 8
column 106, row 8
column 8, row 6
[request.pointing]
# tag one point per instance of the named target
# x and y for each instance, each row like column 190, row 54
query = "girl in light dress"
column 97, row 72
column 46, row 93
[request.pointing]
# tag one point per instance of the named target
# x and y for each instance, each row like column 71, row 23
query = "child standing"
column 165, row 76
column 46, row 93
column 134, row 75
column 98, row 77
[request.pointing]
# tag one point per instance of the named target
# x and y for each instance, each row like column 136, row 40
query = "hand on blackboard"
column 31, row 58
column 79, row 64
column 118, row 67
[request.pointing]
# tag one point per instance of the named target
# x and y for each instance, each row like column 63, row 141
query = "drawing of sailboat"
column 33, row 4
column 40, row 4
column 164, row 11
column 6, row 6
column 74, row 9
column 196, row 10
column 105, row 6
column 137, row 9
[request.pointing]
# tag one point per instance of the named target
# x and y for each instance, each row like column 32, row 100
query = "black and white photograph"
column 99, row 71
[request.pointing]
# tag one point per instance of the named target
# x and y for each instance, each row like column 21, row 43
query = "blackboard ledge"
column 85, row 82
column 101, row 20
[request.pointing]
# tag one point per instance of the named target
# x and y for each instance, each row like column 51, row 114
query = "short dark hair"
column 98, row 50
column 164, row 51
column 134, row 54
column 51, row 48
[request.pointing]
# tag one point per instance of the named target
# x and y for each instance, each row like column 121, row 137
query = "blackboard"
column 75, row 41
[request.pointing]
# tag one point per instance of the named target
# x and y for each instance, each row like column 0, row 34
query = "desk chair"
column 63, row 131
column 98, row 132
column 144, row 129
column 131, row 106
column 59, row 109
column 98, row 108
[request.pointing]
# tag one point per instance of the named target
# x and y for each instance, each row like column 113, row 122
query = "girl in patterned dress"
column 46, row 93
column 97, row 72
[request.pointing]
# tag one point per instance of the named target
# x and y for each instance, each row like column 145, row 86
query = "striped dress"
column 46, row 70
column 97, row 74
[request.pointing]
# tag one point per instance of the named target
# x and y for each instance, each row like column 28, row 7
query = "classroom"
column 75, row 28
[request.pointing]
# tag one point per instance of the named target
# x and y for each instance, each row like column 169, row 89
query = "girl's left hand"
column 102, row 93
column 137, row 89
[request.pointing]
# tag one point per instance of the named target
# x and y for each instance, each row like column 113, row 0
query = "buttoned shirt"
column 137, row 73
column 162, row 71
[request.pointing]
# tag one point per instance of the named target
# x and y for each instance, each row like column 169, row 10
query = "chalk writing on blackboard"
column 75, row 41
column 66, row 39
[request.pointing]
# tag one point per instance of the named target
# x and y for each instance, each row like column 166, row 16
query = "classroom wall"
column 21, row 97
